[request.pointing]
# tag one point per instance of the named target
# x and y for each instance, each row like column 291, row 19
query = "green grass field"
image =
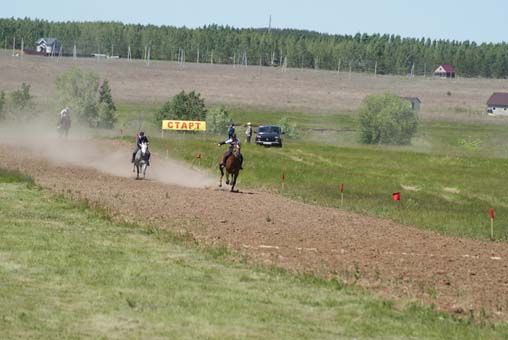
column 449, row 177
column 67, row 271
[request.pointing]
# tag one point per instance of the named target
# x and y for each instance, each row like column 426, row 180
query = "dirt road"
column 400, row 262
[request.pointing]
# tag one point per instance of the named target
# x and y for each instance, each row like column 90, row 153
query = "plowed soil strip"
column 458, row 275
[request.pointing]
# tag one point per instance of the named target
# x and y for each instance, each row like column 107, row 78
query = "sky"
column 480, row 21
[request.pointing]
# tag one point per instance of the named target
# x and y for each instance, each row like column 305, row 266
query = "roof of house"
column 448, row 68
column 412, row 99
column 498, row 99
column 48, row 41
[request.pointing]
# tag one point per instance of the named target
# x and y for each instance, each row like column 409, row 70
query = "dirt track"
column 457, row 275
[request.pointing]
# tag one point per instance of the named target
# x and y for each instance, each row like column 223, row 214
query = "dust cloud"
column 84, row 148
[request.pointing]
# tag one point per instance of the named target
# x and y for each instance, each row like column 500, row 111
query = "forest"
column 374, row 53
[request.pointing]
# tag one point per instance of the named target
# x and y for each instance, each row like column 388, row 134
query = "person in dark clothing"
column 231, row 130
column 140, row 139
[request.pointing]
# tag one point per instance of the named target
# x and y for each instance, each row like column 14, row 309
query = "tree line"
column 382, row 54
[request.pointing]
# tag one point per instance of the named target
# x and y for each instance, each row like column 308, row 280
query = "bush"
column 387, row 119
column 21, row 99
column 217, row 121
column 2, row 105
column 78, row 90
column 183, row 107
column 289, row 129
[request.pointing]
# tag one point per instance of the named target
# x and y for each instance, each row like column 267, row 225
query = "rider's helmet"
column 141, row 133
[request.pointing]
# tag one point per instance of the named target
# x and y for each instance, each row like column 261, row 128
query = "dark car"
column 269, row 135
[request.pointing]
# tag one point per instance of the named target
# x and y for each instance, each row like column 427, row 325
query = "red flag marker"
column 341, row 188
column 492, row 213
column 396, row 196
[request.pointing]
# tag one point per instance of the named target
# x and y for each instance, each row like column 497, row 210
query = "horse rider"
column 64, row 114
column 233, row 142
column 248, row 132
column 140, row 139
column 231, row 130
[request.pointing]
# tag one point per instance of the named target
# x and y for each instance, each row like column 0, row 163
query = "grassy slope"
column 68, row 272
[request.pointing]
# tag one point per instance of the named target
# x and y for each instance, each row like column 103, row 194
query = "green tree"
column 217, row 120
column 77, row 89
column 387, row 119
column 106, row 107
column 185, row 106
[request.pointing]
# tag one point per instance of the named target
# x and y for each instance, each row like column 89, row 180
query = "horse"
column 232, row 166
column 141, row 160
column 64, row 126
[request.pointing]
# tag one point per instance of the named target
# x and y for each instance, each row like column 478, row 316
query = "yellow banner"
column 185, row 125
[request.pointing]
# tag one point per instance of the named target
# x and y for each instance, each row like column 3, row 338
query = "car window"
column 273, row 129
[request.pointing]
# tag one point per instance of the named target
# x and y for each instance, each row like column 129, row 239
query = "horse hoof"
column 227, row 182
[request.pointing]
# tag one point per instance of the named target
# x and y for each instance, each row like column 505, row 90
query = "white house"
column 50, row 46
column 497, row 105
column 445, row 71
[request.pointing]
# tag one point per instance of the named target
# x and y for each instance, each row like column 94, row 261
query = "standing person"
column 231, row 130
column 141, row 138
column 248, row 132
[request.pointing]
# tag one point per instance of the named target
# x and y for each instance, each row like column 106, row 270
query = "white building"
column 50, row 46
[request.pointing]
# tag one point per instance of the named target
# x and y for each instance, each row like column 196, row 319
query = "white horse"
column 141, row 160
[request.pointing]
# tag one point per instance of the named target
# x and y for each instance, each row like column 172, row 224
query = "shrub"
column 21, row 99
column 387, row 119
column 78, row 90
column 2, row 105
column 217, row 120
column 288, row 128
column 183, row 106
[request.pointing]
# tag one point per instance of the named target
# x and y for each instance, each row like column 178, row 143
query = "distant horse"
column 141, row 161
column 232, row 166
column 64, row 126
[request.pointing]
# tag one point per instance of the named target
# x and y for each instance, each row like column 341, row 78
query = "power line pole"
column 14, row 47
column 129, row 56
column 197, row 58
column 375, row 69
column 22, row 47
column 148, row 57
column 74, row 53
column 211, row 58
column 269, row 23
column 338, row 67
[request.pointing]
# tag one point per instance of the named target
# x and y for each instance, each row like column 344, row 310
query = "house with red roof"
column 497, row 104
column 445, row 71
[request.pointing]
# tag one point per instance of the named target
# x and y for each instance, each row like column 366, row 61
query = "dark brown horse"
column 232, row 166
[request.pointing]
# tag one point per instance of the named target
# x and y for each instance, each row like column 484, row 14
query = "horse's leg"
column 221, row 175
column 227, row 177
column 234, row 175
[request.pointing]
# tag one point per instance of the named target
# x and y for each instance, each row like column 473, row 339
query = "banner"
column 184, row 125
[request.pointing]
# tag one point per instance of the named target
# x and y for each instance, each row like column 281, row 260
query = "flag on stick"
column 341, row 188
column 492, row 215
